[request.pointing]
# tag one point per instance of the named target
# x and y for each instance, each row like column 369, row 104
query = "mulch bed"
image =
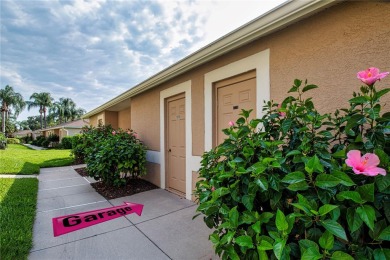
column 132, row 187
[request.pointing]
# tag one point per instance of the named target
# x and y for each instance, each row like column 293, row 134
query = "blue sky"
column 92, row 51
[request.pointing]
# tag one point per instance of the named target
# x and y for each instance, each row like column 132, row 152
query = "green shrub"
column 66, row 142
column 53, row 138
column 26, row 139
column 3, row 141
column 45, row 143
column 286, row 191
column 13, row 141
column 38, row 141
column 113, row 156
column 78, row 148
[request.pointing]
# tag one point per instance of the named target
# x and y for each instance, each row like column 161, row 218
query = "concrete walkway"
column 165, row 230
column 34, row 147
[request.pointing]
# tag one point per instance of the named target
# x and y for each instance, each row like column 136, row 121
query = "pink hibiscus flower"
column 371, row 75
column 366, row 164
column 281, row 113
column 113, row 132
column 231, row 123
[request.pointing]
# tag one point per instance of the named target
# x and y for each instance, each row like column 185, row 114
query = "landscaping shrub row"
column 298, row 184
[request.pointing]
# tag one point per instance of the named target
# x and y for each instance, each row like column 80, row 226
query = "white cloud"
column 74, row 48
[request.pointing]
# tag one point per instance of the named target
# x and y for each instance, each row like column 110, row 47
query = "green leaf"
column 262, row 183
column 350, row 195
column 367, row 214
column 286, row 125
column 281, row 223
column 326, row 209
column 334, row 228
column 353, row 219
column 233, row 217
column 258, row 168
column 214, row 238
column 326, row 241
column 382, row 182
column 308, row 87
column 374, row 111
column 256, row 227
column 326, row 181
column 385, row 234
column 294, row 177
column 314, row 165
column 278, row 248
column 343, row 177
column 359, row 100
column 220, row 192
column 353, row 121
column 305, row 244
column 265, row 245
column 245, row 241
column 232, row 253
column 381, row 254
column 381, row 92
column 366, row 192
column 298, row 186
column 247, row 200
column 339, row 255
column 311, row 253
column 265, row 217
column 293, row 152
column 262, row 254
column 297, row 82
column 227, row 238
column 339, row 154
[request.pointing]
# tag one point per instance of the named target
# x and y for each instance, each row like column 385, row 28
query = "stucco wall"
column 329, row 49
column 145, row 118
column 152, row 173
column 124, row 119
column 94, row 120
column 111, row 118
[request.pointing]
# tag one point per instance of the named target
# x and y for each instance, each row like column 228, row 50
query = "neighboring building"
column 65, row 129
column 179, row 112
column 24, row 133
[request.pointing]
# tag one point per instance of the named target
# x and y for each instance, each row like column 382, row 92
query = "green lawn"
column 18, row 159
column 18, row 199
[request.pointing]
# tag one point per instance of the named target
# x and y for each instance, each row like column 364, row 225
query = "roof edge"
column 277, row 18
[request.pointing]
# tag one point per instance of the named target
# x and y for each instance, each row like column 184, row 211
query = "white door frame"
column 259, row 62
column 185, row 88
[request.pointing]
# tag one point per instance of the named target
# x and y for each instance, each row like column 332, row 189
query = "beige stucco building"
column 65, row 129
column 179, row 112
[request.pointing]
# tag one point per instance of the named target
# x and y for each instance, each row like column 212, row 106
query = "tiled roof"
column 77, row 124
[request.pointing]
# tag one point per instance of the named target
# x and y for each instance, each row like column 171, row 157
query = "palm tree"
column 68, row 106
column 9, row 98
column 57, row 110
column 77, row 113
column 42, row 100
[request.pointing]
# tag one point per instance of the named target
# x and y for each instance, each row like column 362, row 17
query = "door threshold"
column 176, row 192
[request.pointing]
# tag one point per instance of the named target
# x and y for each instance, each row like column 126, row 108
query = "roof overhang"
column 287, row 13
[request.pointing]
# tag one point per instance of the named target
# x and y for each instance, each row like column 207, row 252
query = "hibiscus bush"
column 298, row 184
column 113, row 156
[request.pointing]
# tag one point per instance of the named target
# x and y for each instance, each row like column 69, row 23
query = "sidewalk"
column 34, row 147
column 165, row 230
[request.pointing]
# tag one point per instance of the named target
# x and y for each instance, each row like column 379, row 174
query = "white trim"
column 259, row 62
column 153, row 156
column 180, row 88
